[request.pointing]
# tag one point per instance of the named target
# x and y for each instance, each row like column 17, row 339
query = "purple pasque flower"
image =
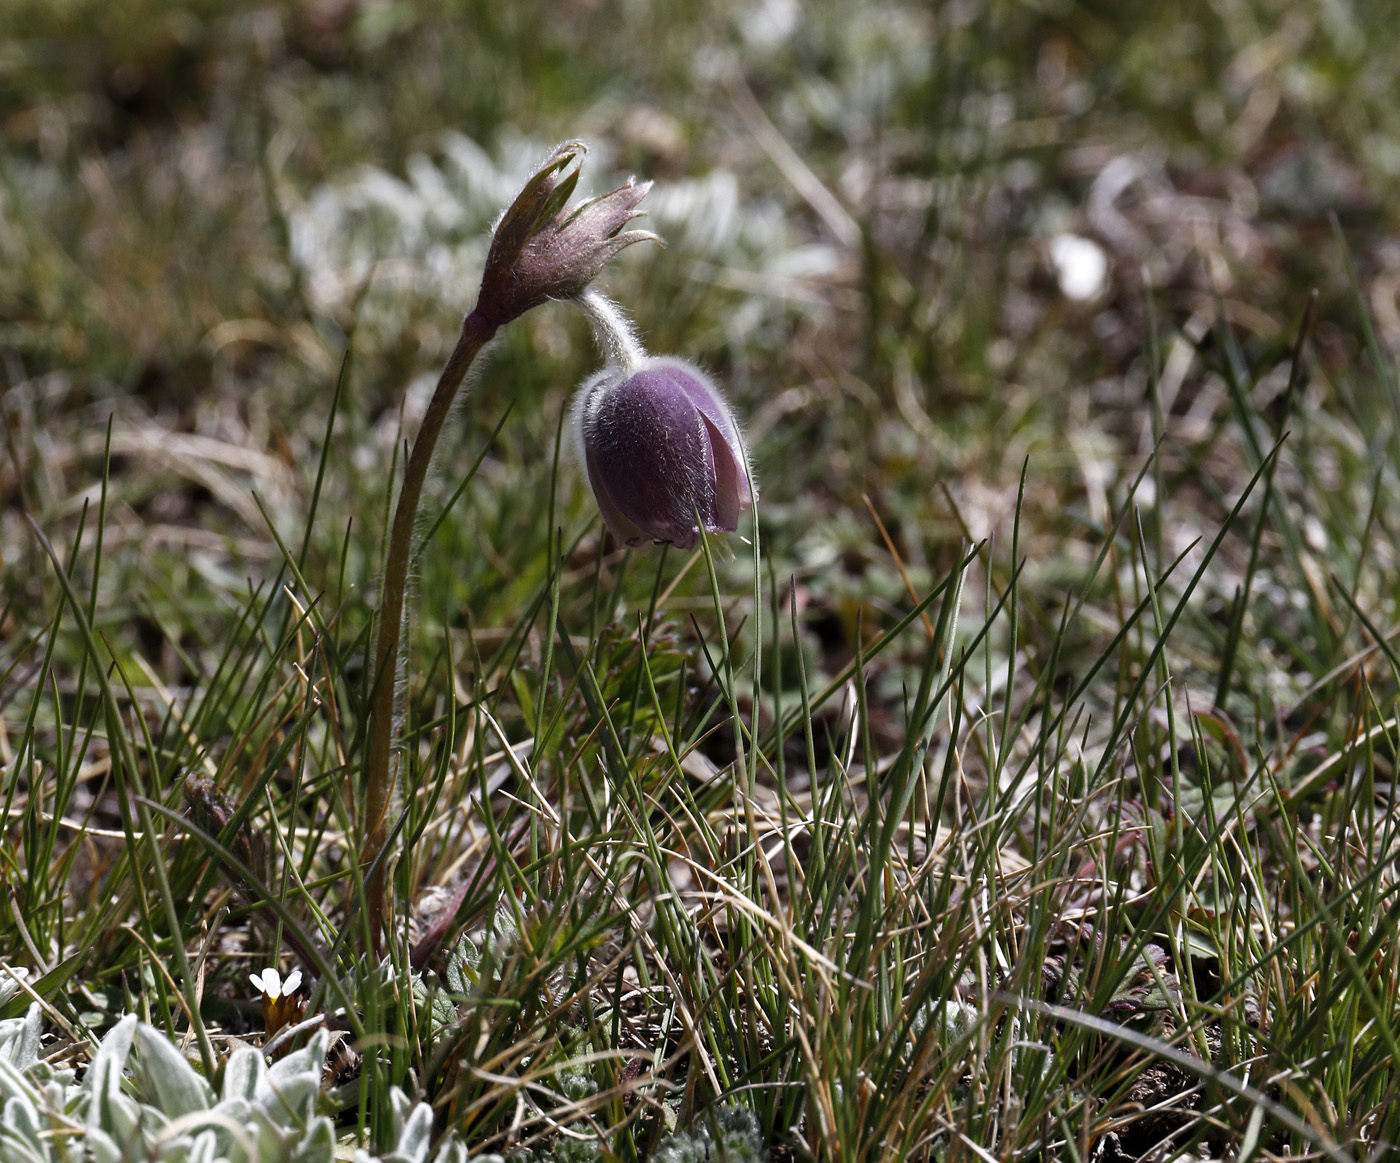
column 663, row 452
column 542, row 248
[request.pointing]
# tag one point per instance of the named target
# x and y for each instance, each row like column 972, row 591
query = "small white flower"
column 269, row 983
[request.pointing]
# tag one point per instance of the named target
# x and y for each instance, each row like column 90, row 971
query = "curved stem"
column 613, row 331
column 381, row 773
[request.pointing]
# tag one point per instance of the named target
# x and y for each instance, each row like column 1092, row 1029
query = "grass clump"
column 1020, row 783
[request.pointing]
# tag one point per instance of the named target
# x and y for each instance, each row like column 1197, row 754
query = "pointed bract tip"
column 542, row 249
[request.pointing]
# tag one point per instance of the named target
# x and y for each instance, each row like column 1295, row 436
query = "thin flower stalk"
column 541, row 249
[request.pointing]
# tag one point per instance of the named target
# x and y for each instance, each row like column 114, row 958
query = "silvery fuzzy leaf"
column 102, row 1147
column 318, row 1146
column 19, row 1038
column 204, row 1149
column 235, row 1112
column 450, row 1150
column 246, row 1143
column 245, row 1074
column 13, row 1082
column 227, row 1124
column 289, row 1092
column 169, row 1081
column 21, row 1118
column 288, row 1144
column 16, row 1150
column 60, row 1095
column 399, row 1107
column 9, row 986
column 273, row 1141
column 307, row 1060
column 729, row 1132
column 174, row 1150
column 416, row 1136
column 104, row 1077
column 125, row 1120
column 10, row 1031
column 453, row 1150
column 290, row 1102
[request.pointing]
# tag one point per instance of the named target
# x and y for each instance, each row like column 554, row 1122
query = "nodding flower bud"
column 544, row 249
column 663, row 452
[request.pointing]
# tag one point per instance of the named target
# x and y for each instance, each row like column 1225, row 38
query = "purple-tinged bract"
column 663, row 453
column 542, row 248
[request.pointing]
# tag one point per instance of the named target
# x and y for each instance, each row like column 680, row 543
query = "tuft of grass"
column 1023, row 785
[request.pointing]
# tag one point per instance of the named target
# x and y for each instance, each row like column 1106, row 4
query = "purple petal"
column 647, row 450
column 728, row 459
column 623, row 529
column 663, row 453
column 727, row 477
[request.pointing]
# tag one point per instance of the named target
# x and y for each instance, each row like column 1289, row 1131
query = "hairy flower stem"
column 542, row 248
column 613, row 331
column 381, row 772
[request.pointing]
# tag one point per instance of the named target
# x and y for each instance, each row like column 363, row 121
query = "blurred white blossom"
column 1081, row 266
